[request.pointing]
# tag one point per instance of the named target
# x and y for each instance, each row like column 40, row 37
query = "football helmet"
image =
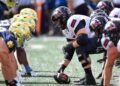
column 109, row 26
column 97, row 24
column 21, row 32
column 15, row 17
column 105, row 5
column 29, row 12
column 98, row 12
column 60, row 16
column 28, row 21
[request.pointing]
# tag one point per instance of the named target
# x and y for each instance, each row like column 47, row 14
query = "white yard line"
column 54, row 39
column 36, row 46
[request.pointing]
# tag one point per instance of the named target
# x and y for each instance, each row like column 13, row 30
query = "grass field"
column 45, row 54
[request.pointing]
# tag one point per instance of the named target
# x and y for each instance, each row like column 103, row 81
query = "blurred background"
column 44, row 9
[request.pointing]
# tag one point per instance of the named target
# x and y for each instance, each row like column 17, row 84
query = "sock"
column 88, row 72
column 28, row 69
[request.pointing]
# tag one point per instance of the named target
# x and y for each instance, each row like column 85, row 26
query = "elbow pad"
column 82, row 39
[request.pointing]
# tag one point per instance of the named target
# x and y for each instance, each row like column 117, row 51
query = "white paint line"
column 36, row 46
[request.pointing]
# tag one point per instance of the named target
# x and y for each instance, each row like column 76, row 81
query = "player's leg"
column 22, row 59
column 85, row 61
column 8, row 64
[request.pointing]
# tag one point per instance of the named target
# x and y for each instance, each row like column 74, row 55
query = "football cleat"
column 62, row 78
column 86, row 81
column 76, row 81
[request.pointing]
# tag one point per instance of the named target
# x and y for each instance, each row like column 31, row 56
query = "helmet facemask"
column 97, row 25
column 60, row 16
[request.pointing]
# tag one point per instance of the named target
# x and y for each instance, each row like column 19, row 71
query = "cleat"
column 30, row 74
column 76, row 81
column 86, row 81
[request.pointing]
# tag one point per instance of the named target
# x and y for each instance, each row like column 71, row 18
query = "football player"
column 80, row 38
column 9, row 39
column 104, row 8
column 29, row 17
column 109, row 36
column 108, row 7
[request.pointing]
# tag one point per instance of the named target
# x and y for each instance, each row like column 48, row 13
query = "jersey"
column 76, row 22
column 5, row 23
column 111, row 34
column 115, row 13
column 9, row 39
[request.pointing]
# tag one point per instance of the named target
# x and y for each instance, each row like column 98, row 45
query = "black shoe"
column 87, row 81
column 12, row 83
column 76, row 81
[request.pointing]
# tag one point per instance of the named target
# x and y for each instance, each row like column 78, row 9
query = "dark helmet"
column 97, row 24
column 105, row 5
column 98, row 12
column 60, row 16
column 110, row 26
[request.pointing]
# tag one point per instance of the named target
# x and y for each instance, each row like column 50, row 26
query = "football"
column 62, row 78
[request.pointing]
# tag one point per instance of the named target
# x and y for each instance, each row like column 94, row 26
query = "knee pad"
column 84, row 58
column 83, row 39
column 69, row 56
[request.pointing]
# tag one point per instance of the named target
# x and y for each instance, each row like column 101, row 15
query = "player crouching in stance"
column 29, row 17
column 109, row 36
column 9, row 40
column 75, row 29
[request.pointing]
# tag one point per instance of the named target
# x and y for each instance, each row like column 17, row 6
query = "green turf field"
column 45, row 54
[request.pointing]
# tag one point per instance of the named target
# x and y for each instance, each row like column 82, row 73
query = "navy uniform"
column 9, row 38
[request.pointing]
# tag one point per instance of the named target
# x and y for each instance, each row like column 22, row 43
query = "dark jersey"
column 9, row 37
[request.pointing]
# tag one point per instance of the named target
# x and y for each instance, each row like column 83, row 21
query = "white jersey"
column 115, row 13
column 5, row 23
column 73, row 23
column 106, row 43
